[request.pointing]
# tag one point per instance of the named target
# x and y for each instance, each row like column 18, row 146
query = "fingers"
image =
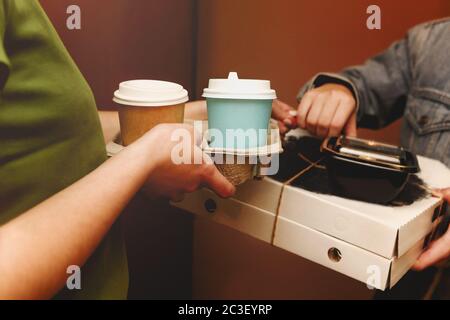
column 282, row 127
column 439, row 250
column 215, row 180
column 288, row 122
column 341, row 118
column 304, row 107
column 351, row 128
column 446, row 194
column 326, row 117
column 443, row 193
column 218, row 183
column 314, row 113
column 280, row 110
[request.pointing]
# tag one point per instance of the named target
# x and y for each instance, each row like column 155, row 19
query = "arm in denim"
column 380, row 86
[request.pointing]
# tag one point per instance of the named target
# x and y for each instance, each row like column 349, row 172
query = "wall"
column 123, row 40
column 286, row 41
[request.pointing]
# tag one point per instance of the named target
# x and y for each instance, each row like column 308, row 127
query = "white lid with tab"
column 235, row 88
column 150, row 93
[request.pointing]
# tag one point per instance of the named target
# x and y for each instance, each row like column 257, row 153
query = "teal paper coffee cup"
column 239, row 112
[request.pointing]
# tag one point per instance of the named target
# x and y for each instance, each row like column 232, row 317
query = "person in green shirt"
column 59, row 197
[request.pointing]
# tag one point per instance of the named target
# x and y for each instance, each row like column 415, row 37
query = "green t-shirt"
column 50, row 135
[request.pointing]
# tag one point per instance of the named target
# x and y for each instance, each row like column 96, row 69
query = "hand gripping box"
column 371, row 243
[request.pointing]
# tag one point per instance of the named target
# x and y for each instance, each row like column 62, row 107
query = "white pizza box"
column 386, row 231
column 357, row 263
column 233, row 213
column 362, row 265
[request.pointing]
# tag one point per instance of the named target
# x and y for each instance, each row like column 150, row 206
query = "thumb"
column 216, row 181
column 219, row 184
column 351, row 128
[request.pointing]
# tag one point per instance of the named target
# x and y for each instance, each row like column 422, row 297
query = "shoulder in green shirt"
column 50, row 134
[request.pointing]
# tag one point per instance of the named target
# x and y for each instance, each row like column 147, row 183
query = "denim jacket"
column 410, row 79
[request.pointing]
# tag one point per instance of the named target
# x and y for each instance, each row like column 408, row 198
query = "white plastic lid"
column 150, row 93
column 235, row 88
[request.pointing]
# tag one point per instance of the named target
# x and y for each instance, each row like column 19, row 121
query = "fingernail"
column 231, row 191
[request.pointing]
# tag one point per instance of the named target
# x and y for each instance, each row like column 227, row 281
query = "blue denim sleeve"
column 380, row 86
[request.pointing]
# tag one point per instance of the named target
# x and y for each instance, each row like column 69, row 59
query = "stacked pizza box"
column 375, row 244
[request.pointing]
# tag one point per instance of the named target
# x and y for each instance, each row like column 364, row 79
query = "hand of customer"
column 179, row 165
column 439, row 250
column 282, row 112
column 328, row 111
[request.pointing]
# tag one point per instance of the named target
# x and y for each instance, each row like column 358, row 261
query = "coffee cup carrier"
column 241, row 165
column 247, row 163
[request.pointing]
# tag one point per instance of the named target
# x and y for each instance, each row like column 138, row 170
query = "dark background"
column 287, row 41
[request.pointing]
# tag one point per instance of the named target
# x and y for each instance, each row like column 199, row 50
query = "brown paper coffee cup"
column 146, row 103
column 137, row 121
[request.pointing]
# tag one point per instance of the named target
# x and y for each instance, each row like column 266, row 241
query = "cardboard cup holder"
column 242, row 165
